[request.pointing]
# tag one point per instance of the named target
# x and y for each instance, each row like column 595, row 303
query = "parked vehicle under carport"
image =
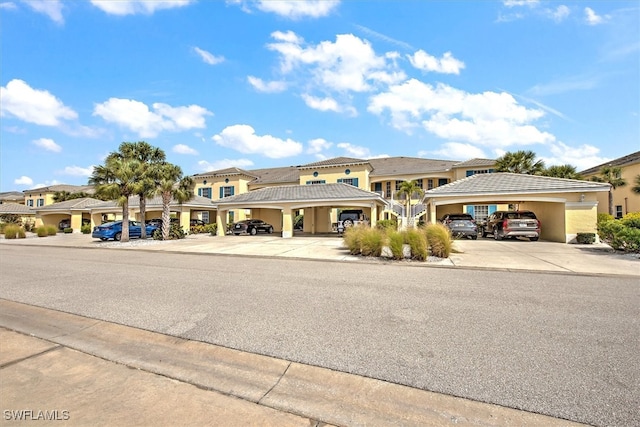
column 506, row 224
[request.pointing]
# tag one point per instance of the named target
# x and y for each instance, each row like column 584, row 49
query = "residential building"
column 44, row 196
column 625, row 200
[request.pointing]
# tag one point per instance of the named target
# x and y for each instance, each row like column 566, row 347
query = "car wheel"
column 496, row 235
column 117, row 236
column 104, row 239
column 474, row 237
column 347, row 223
column 270, row 230
column 253, row 231
column 533, row 239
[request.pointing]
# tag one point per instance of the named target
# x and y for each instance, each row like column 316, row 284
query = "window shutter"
column 492, row 209
column 308, row 182
column 339, row 180
column 492, row 170
column 470, row 210
column 232, row 192
column 221, row 192
column 199, row 191
column 355, row 182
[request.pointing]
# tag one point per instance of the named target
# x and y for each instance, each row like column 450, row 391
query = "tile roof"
column 16, row 209
column 228, row 172
column 336, row 161
column 276, row 175
column 155, row 202
column 11, row 195
column 620, row 161
column 475, row 162
column 385, row 166
column 82, row 203
column 501, row 183
column 89, row 189
column 292, row 193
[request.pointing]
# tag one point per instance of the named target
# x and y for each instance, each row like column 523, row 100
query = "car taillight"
column 538, row 221
column 505, row 224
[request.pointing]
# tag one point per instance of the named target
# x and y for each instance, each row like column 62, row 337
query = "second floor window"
column 40, row 202
column 30, row 202
column 205, row 192
column 226, row 191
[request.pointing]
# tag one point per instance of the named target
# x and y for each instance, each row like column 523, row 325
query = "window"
column 443, row 181
column 316, row 181
column 480, row 212
column 619, row 211
column 205, row 192
column 429, row 184
column 377, row 187
column 388, row 189
column 205, row 217
column 398, row 184
column 30, row 202
column 226, row 191
column 350, row 181
column 419, row 181
column 40, row 202
column 479, row 171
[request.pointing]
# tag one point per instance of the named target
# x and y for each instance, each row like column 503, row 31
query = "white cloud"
column 295, row 9
column 267, row 87
column 137, row 117
column 447, row 64
column 488, row 118
column 380, row 36
column 518, row 3
column 184, row 149
column 51, row 8
column 76, row 171
column 593, row 18
column 327, row 104
column 208, row 57
column 23, row 180
column 205, row 166
column 8, row 5
column 48, row 144
column 318, row 145
column 355, row 150
column 243, row 138
column 560, row 13
column 348, row 64
column 455, row 151
column 133, row 7
column 32, row 105
column 582, row 157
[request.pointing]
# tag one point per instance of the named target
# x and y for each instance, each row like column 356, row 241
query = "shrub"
column 385, row 224
column 42, row 231
column 417, row 240
column 395, row 240
column 21, row 233
column 68, row 230
column 586, row 238
column 10, row 219
column 211, row 229
column 29, row 225
column 603, row 217
column 298, row 222
column 51, row 230
column 371, row 242
column 198, row 229
column 175, row 232
column 619, row 236
column 352, row 237
column 631, row 219
column 85, row 229
column 439, row 240
column 11, row 231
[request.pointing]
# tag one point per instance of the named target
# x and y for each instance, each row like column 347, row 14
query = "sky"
column 267, row 83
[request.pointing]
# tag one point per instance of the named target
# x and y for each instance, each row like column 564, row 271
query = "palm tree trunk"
column 166, row 213
column 125, row 221
column 143, row 217
column 611, row 202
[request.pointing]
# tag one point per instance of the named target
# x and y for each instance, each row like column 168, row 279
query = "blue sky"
column 257, row 84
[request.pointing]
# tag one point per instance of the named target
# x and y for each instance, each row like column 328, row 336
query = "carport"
column 565, row 207
column 74, row 210
column 276, row 205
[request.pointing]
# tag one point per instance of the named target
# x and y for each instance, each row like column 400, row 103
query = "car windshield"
column 529, row 215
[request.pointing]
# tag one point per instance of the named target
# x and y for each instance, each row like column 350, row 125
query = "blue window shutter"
column 339, row 180
column 308, row 182
column 355, row 182
column 232, row 192
column 199, row 191
column 492, row 170
column 221, row 192
column 470, row 210
column 492, row 209
column 469, row 173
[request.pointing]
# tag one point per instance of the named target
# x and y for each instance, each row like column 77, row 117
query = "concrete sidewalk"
column 82, row 371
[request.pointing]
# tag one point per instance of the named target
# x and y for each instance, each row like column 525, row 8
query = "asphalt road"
column 564, row 345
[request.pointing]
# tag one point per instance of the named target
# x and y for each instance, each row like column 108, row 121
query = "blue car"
column 113, row 230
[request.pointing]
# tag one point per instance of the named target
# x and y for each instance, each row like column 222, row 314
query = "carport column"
column 287, row 223
column 76, row 221
column 221, row 222
column 374, row 215
column 432, row 213
column 185, row 219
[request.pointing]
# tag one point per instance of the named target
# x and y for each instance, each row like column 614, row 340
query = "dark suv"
column 461, row 225
column 505, row 224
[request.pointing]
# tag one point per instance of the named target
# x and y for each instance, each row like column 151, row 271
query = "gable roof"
column 89, row 189
column 73, row 204
column 293, row 193
column 228, row 172
column 336, row 161
column 276, row 175
column 385, row 166
column 620, row 161
column 506, row 183
column 475, row 162
column 16, row 209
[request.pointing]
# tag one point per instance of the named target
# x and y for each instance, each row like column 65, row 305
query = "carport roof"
column 81, row 203
column 503, row 183
column 16, row 209
column 297, row 193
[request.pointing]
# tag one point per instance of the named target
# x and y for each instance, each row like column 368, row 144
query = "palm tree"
column 145, row 187
column 171, row 185
column 520, row 162
column 613, row 176
column 562, row 171
column 409, row 188
column 116, row 180
column 636, row 187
